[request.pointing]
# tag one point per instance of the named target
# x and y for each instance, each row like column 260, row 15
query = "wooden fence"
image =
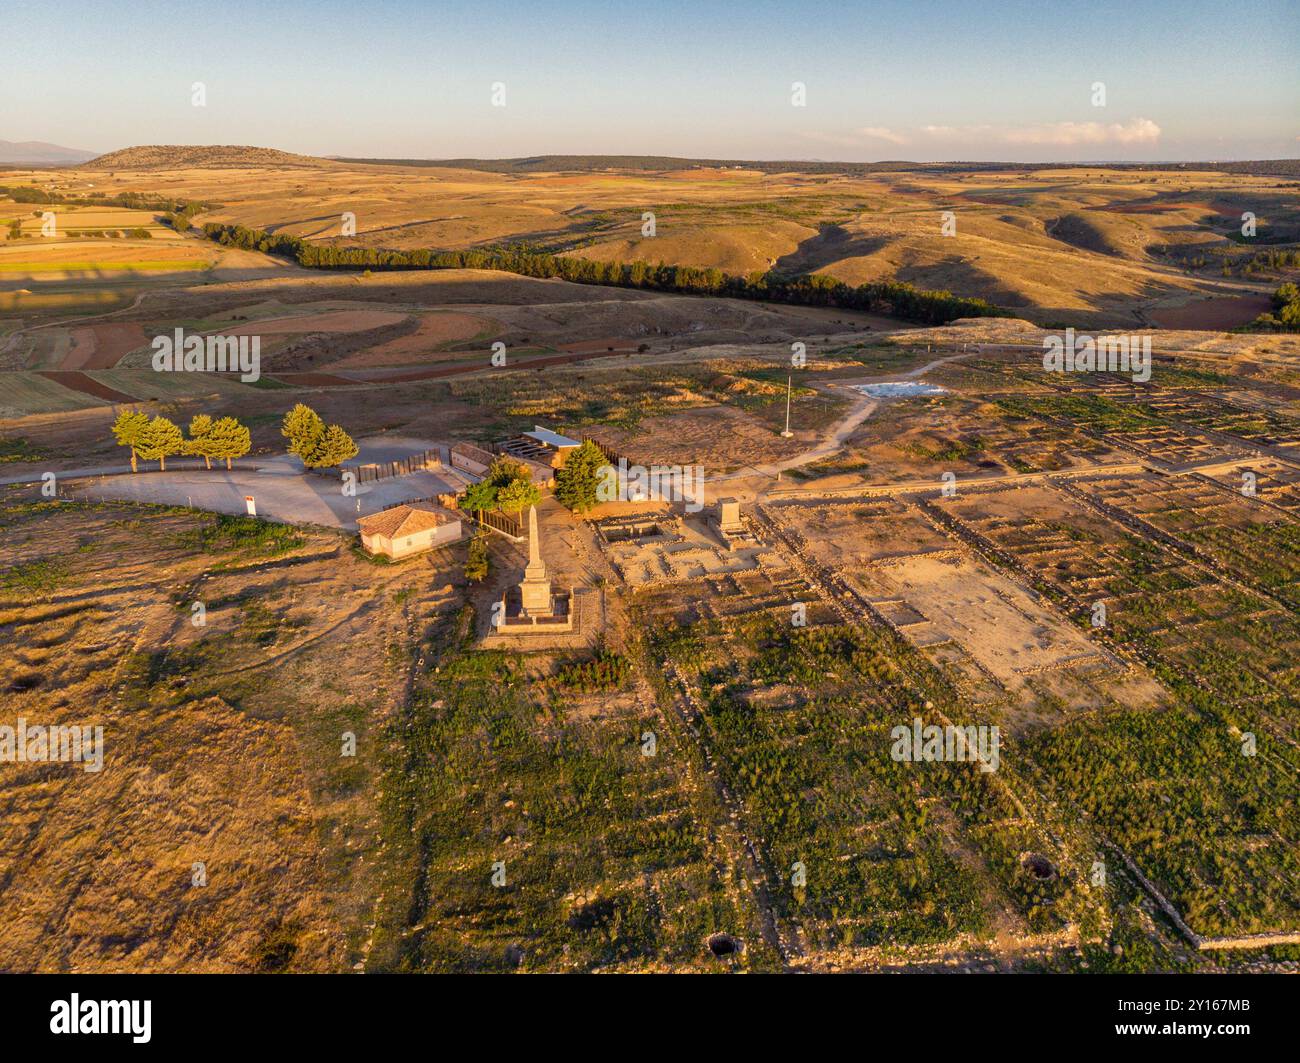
column 499, row 522
column 385, row 470
column 433, row 499
column 611, row 455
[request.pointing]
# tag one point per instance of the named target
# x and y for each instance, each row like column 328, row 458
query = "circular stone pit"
column 724, row 945
column 1038, row 866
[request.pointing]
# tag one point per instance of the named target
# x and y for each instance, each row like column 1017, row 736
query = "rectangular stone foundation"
column 516, row 621
column 576, row 633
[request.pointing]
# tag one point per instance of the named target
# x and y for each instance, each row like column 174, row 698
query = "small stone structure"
column 648, row 549
column 407, row 529
column 729, row 516
column 636, row 527
column 731, row 526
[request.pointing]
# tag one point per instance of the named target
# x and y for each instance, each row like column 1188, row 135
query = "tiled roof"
column 401, row 521
column 469, row 450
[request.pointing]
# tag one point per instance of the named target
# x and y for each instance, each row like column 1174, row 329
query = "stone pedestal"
column 729, row 522
column 731, row 527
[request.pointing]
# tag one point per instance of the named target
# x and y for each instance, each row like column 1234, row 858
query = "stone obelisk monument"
column 535, row 590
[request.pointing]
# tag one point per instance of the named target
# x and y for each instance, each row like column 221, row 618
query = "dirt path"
column 124, row 469
column 80, row 320
column 13, row 337
column 834, row 437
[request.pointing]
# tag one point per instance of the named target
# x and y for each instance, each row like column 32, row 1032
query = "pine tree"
column 320, row 446
column 159, row 439
column 477, row 563
column 478, row 497
column 576, row 482
column 334, row 447
column 128, row 430
column 506, row 470
column 304, row 429
column 199, row 443
column 229, row 439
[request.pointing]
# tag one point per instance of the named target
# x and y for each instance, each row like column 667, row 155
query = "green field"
column 24, row 393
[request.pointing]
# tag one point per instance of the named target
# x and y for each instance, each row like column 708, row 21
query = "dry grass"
column 221, row 743
column 1090, row 244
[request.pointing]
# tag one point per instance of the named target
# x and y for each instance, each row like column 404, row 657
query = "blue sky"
column 914, row 79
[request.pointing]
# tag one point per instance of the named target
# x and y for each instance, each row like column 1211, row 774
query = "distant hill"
column 551, row 163
column 209, row 156
column 206, row 156
column 39, row 152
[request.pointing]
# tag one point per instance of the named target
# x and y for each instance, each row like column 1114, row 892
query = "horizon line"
column 700, row 160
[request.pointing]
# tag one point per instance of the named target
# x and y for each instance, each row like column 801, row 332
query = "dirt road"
column 833, row 438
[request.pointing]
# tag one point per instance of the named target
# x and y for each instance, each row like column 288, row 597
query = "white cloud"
column 858, row 137
column 1048, row 134
column 879, row 132
column 1056, row 134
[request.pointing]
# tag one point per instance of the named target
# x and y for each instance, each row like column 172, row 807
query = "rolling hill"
column 40, row 153
column 206, row 156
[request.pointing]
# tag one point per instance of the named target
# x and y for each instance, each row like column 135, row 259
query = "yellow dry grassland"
column 79, row 261
column 1088, row 244
column 229, row 834
column 45, row 303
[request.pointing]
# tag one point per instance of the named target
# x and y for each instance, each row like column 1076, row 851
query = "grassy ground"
column 222, row 741
column 530, row 831
column 1085, row 243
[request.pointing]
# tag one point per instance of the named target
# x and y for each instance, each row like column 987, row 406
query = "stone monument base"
column 515, row 620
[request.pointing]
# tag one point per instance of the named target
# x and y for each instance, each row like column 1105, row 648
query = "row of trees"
column 1286, row 312
column 156, row 438
column 1276, row 258
column 179, row 217
column 883, row 297
column 16, row 233
column 320, row 446
column 126, row 200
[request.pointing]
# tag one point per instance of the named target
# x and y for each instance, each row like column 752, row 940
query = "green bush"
column 478, row 563
column 605, row 671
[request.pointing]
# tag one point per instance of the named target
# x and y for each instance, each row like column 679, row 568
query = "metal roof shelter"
column 552, row 439
column 541, row 446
